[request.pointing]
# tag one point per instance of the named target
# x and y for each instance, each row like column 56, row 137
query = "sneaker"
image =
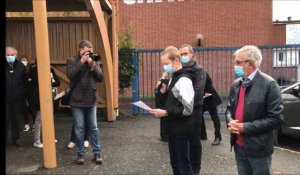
column 97, row 159
column 38, row 144
column 71, row 145
column 80, row 160
column 86, row 144
column 26, row 127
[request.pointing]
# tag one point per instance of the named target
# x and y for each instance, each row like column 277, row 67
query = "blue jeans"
column 180, row 156
column 80, row 116
column 251, row 165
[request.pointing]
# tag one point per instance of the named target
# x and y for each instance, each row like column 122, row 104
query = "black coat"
column 15, row 82
column 263, row 113
column 212, row 101
column 33, row 86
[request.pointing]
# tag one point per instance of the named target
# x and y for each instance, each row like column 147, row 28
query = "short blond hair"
column 172, row 52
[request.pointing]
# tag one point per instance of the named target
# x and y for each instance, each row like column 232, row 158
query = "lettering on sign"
column 131, row 2
column 293, row 34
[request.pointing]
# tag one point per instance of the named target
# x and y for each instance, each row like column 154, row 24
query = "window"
column 286, row 57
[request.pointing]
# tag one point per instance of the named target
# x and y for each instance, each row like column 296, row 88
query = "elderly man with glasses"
column 255, row 109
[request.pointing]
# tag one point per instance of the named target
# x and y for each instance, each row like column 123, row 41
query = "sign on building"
column 293, row 34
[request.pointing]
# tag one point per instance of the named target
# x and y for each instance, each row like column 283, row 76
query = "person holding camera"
column 84, row 73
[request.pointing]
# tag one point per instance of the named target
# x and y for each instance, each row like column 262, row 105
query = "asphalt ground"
column 131, row 145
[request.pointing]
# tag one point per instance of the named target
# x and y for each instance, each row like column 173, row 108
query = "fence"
column 280, row 62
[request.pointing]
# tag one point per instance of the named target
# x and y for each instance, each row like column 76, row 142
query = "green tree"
column 126, row 68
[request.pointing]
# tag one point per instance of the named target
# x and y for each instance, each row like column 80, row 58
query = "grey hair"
column 251, row 53
column 12, row 48
column 188, row 46
column 85, row 43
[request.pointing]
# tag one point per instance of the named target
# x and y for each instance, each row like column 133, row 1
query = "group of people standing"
column 254, row 110
column 22, row 97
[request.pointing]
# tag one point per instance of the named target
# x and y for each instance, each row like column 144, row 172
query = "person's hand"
column 84, row 58
column 163, row 88
column 91, row 62
column 159, row 113
column 233, row 126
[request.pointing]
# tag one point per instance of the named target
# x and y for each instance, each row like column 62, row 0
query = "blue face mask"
column 239, row 72
column 10, row 59
column 184, row 59
column 169, row 69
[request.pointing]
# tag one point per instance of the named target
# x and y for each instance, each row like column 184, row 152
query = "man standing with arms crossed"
column 254, row 111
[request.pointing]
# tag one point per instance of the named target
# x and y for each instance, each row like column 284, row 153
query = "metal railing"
column 279, row 61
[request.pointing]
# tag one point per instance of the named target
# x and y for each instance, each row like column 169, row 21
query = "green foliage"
column 126, row 68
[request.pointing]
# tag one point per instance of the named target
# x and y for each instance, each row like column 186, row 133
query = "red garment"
column 239, row 114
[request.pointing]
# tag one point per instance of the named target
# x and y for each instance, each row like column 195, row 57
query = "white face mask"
column 25, row 62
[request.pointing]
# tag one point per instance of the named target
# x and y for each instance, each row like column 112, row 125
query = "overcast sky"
column 284, row 8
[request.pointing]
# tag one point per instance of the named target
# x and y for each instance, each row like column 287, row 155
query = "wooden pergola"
column 108, row 47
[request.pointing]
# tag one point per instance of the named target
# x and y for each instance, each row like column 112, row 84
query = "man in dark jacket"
column 197, row 74
column 15, row 82
column 84, row 74
column 255, row 109
column 210, row 103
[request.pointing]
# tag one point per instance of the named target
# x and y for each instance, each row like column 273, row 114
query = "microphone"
column 162, row 78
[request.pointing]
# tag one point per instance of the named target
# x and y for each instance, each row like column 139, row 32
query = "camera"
column 94, row 56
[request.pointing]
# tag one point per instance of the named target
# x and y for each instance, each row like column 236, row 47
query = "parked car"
column 291, row 103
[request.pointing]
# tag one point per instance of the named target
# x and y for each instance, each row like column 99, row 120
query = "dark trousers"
column 180, row 156
column 217, row 124
column 195, row 155
column 251, row 165
column 163, row 132
column 25, row 111
column 13, row 119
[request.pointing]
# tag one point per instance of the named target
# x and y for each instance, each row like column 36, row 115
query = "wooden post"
column 115, row 54
column 96, row 13
column 43, row 62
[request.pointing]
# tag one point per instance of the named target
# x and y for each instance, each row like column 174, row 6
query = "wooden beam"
column 115, row 54
column 44, row 79
column 96, row 13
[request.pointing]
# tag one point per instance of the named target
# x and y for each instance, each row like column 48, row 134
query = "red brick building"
column 159, row 23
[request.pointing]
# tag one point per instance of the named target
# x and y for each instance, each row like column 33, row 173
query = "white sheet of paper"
column 59, row 95
column 141, row 105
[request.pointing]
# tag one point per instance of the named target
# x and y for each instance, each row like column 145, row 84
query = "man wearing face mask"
column 15, row 82
column 85, row 73
column 255, row 109
column 177, row 107
column 198, row 75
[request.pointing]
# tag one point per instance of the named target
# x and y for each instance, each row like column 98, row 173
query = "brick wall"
column 221, row 22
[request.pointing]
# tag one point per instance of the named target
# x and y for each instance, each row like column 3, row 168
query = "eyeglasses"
column 240, row 62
